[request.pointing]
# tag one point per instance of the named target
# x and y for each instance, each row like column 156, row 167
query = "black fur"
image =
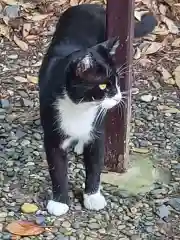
column 80, row 32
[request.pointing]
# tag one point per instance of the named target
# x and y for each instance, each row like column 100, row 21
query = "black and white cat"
column 78, row 83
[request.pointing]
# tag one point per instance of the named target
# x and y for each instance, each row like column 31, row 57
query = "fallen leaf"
column 20, row 43
column 176, row 74
column 162, row 9
column 170, row 24
column 176, row 43
column 167, row 77
column 38, row 17
column 26, row 29
column 167, row 109
column 20, row 79
column 74, row 2
column 141, row 150
column 153, row 48
column 32, row 79
column 137, row 54
column 37, row 64
column 29, row 208
column 138, row 14
column 4, row 31
column 13, row 2
column 10, row 2
column 24, row 228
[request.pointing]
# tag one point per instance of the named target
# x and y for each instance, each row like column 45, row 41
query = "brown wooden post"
column 120, row 22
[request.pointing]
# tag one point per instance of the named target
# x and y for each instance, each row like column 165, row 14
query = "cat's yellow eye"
column 102, row 86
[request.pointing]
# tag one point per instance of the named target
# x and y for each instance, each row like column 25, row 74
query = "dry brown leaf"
column 167, row 109
column 37, row 64
column 137, row 54
column 20, row 79
column 26, row 29
column 153, row 48
column 20, row 43
column 161, row 30
column 74, row 2
column 170, row 24
column 38, row 17
column 176, row 43
column 32, row 79
column 162, row 9
column 13, row 2
column 10, row 2
column 24, row 228
column 167, row 77
column 4, row 31
column 139, row 14
column 176, row 74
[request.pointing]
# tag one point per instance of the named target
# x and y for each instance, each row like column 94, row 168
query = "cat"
column 78, row 84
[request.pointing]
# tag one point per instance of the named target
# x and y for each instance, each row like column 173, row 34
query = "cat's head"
column 92, row 76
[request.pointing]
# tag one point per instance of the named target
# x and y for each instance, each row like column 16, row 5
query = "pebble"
column 66, row 224
column 1, row 227
column 147, row 98
column 93, row 226
column 4, row 103
column 12, row 11
column 25, row 142
column 29, row 208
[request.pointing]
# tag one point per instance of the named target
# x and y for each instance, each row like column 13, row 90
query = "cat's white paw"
column 57, row 208
column 94, row 201
column 78, row 149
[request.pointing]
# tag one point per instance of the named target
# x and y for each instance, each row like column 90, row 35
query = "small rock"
column 25, row 142
column 40, row 219
column 26, row 103
column 147, row 98
column 1, row 227
column 175, row 203
column 20, row 134
column 93, row 226
column 5, row 103
column 13, row 56
column 66, row 224
column 163, row 211
column 3, row 214
column 29, row 208
column 11, row 11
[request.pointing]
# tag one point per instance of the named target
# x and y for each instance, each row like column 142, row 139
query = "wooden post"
column 120, row 22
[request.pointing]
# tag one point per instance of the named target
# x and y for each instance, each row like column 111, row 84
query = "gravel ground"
column 23, row 169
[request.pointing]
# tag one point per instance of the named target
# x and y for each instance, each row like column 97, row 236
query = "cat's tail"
column 146, row 25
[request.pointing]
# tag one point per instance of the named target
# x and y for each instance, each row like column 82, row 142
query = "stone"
column 1, row 227
column 25, row 142
column 12, row 11
column 93, row 226
column 20, row 133
column 66, row 224
column 175, row 203
column 147, row 98
column 26, row 103
column 29, row 208
column 4, row 103
column 163, row 211
column 3, row 214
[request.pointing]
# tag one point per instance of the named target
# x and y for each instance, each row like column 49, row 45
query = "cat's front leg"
column 57, row 161
column 94, row 160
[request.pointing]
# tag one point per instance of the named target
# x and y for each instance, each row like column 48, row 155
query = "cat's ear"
column 110, row 45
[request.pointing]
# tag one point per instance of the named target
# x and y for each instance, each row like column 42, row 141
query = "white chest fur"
column 76, row 120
